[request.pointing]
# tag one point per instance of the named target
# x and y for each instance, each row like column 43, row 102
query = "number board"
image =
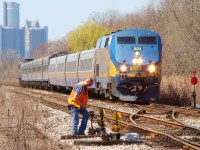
column 135, row 68
column 137, row 48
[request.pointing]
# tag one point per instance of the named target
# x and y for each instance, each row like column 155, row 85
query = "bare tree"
column 108, row 18
column 58, row 46
column 9, row 64
column 40, row 51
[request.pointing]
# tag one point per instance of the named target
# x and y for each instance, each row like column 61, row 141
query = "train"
column 125, row 65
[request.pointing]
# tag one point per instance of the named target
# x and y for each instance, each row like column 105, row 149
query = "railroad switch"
column 172, row 113
column 142, row 111
column 101, row 122
column 135, row 117
column 116, row 116
column 97, row 131
column 91, row 114
column 101, row 131
column 116, row 128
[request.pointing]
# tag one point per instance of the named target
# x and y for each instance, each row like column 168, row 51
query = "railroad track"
column 161, row 108
column 158, row 108
column 175, row 132
column 132, row 122
column 185, row 111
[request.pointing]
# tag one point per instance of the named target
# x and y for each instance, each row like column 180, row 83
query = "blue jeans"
column 75, row 120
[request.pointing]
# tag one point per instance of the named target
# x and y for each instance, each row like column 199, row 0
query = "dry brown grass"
column 16, row 111
column 12, row 81
column 177, row 90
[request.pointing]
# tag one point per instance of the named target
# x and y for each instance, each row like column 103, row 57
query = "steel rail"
column 187, row 143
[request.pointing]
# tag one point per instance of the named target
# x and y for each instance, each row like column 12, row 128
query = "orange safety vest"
column 82, row 97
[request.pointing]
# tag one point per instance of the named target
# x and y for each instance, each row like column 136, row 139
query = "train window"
column 49, row 68
column 44, row 69
column 85, row 64
column 110, row 39
column 106, row 43
column 57, row 68
column 97, row 69
column 98, row 44
column 71, row 66
column 126, row 40
column 147, row 40
column 39, row 69
column 53, row 68
column 60, row 67
column 34, row 69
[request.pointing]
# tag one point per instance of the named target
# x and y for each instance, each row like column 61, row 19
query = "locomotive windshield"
column 126, row 40
column 147, row 40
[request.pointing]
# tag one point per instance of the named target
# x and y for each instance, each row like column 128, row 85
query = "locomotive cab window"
column 126, row 40
column 106, row 43
column 147, row 40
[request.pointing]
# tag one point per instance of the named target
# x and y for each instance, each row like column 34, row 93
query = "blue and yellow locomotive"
column 125, row 65
column 129, row 65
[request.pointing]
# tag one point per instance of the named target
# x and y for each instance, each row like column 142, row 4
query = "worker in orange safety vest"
column 77, row 102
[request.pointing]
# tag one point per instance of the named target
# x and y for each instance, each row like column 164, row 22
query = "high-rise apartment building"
column 23, row 40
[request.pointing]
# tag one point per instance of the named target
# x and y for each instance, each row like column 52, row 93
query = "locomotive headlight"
column 134, row 61
column 123, row 68
column 140, row 60
column 137, row 53
column 152, row 68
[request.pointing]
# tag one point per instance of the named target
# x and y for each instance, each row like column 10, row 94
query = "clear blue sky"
column 62, row 16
